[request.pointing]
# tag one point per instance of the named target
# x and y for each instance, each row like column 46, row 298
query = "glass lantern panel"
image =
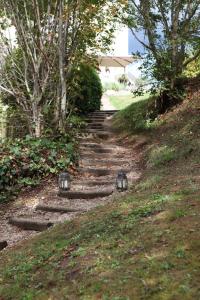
column 125, row 184
column 119, row 184
column 65, row 184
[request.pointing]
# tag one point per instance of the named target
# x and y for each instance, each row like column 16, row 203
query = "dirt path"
column 106, row 105
column 102, row 155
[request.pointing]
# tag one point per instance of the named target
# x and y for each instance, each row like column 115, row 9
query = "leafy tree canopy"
column 172, row 39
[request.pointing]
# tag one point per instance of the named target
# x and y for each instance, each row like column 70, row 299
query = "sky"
column 133, row 44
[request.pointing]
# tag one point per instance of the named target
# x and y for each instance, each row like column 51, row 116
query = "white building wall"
column 118, row 48
column 120, row 44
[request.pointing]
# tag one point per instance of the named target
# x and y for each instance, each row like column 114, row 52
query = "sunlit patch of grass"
column 135, row 117
column 161, row 155
column 149, row 183
column 122, row 101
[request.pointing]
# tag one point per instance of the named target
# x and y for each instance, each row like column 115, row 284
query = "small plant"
column 123, row 79
column 177, row 214
column 76, row 122
column 180, row 253
column 161, row 156
column 167, row 266
column 28, row 181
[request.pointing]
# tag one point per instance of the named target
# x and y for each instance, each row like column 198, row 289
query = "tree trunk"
column 37, row 121
column 62, row 65
column 63, row 103
column 57, row 109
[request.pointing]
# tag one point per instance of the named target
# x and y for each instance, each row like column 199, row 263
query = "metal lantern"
column 122, row 181
column 64, row 181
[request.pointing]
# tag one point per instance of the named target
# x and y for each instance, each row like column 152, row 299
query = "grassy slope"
column 121, row 102
column 144, row 245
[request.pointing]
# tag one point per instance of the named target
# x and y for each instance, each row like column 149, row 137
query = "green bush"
column 25, row 162
column 90, row 90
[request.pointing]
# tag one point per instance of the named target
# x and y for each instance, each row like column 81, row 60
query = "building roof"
column 115, row 61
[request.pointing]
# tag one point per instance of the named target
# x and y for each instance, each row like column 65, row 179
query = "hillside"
column 142, row 245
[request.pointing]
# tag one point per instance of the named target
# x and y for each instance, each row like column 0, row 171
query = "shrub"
column 123, row 79
column 90, row 90
column 25, row 162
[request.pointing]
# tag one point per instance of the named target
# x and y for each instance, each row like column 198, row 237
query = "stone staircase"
column 101, row 157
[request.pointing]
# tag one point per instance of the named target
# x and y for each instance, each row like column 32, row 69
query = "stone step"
column 90, row 145
column 94, row 130
column 100, row 156
column 103, row 112
column 95, row 126
column 3, row 245
column 98, row 117
column 108, row 162
column 94, row 145
column 95, row 123
column 92, row 183
column 85, row 194
column 30, row 224
column 96, row 172
column 98, row 131
column 59, row 209
column 103, row 135
column 100, row 134
column 97, row 150
column 98, row 120
column 110, row 110
column 84, row 139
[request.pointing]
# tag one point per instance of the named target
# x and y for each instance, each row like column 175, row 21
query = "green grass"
column 144, row 245
column 121, row 251
column 121, row 102
column 161, row 155
column 116, row 86
column 135, row 117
